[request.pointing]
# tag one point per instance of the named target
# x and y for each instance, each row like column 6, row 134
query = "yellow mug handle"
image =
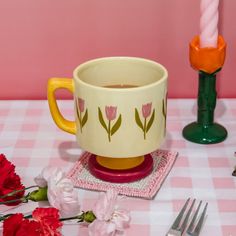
column 53, row 85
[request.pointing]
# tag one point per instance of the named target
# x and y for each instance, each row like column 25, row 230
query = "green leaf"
column 163, row 106
column 137, row 119
column 101, row 119
column 151, row 120
column 116, row 126
column 85, row 118
column 76, row 107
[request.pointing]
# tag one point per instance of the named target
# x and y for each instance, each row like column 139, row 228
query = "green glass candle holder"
column 208, row 61
column 204, row 130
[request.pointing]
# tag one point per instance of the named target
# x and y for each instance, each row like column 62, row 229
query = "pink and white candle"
column 209, row 23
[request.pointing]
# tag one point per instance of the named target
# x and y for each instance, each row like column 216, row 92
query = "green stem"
column 30, row 216
column 61, row 219
column 206, row 98
column 71, row 218
column 109, row 131
column 87, row 216
column 17, row 191
column 79, row 117
column 2, row 218
column 145, row 128
column 78, row 217
column 21, row 200
column 164, row 108
column 80, row 121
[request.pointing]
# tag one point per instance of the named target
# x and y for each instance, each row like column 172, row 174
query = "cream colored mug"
column 119, row 106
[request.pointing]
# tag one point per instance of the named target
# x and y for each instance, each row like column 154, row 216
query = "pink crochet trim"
column 145, row 188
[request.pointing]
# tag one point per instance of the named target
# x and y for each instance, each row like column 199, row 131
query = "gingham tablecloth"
column 30, row 139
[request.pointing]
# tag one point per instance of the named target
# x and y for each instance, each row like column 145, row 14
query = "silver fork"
column 177, row 229
column 195, row 231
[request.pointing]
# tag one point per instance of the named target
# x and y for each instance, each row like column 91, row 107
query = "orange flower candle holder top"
column 208, row 61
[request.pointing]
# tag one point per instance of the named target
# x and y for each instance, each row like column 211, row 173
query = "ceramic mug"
column 119, row 106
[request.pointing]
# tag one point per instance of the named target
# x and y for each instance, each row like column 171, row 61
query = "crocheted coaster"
column 144, row 188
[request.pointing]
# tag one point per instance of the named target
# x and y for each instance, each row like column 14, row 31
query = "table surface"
column 30, row 139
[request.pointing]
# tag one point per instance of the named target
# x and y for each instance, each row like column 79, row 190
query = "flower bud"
column 39, row 195
column 89, row 216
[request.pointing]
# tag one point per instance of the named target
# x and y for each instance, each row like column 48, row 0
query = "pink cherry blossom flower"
column 110, row 112
column 42, row 179
column 81, row 104
column 102, row 228
column 63, row 196
column 105, row 205
column 146, row 109
column 109, row 218
column 121, row 218
column 60, row 192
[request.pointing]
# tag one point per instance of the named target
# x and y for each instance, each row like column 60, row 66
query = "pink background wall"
column 40, row 39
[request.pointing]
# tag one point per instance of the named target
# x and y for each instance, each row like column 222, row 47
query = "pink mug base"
column 121, row 176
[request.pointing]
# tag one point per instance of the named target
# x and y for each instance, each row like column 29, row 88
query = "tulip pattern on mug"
column 110, row 112
column 80, row 110
column 146, row 124
column 164, row 110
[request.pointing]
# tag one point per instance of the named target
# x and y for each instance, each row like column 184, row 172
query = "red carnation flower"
column 6, row 165
column 9, row 182
column 16, row 225
column 45, row 222
column 31, row 228
column 12, row 224
column 49, row 220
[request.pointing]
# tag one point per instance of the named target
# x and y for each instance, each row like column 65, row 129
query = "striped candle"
column 208, row 23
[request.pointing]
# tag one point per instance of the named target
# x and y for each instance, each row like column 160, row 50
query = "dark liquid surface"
column 121, row 86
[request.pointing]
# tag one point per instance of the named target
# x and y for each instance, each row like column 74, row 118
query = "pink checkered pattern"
column 30, row 139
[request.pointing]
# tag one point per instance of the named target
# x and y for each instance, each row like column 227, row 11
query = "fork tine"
column 200, row 222
column 190, row 227
column 183, row 226
column 180, row 215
